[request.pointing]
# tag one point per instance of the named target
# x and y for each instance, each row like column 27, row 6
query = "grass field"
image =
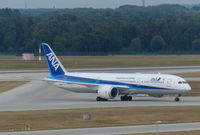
column 7, row 85
column 63, row 119
column 191, row 74
column 173, row 133
column 195, row 88
column 15, row 63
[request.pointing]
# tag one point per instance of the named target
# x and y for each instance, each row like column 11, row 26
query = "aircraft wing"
column 122, row 89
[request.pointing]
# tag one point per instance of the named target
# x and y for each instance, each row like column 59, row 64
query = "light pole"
column 26, row 5
column 143, row 3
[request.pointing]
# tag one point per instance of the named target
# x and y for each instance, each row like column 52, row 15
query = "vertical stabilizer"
column 55, row 66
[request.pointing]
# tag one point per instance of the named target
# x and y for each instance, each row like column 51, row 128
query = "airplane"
column 111, row 85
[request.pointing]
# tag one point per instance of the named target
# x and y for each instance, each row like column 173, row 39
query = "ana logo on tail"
column 53, row 61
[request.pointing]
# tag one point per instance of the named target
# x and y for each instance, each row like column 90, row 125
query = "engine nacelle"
column 156, row 95
column 107, row 92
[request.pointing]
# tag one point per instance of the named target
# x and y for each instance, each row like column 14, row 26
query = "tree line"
column 127, row 29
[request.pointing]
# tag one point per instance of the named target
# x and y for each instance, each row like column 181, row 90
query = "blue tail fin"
column 55, row 66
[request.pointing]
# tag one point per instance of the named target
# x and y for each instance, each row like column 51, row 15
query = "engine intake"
column 107, row 92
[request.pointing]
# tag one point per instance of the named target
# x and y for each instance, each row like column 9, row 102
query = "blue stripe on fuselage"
column 103, row 82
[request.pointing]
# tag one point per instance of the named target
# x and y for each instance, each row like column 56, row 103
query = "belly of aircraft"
column 155, row 91
column 77, row 88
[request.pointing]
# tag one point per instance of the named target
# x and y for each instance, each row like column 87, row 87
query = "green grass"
column 8, row 85
column 190, row 74
column 195, row 85
column 101, row 117
column 15, row 63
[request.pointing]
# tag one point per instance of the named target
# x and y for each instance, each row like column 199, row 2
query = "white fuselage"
column 152, row 84
column 109, row 85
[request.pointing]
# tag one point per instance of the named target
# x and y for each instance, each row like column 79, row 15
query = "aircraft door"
column 169, row 82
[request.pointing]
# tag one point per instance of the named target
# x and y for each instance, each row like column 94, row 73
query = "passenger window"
column 179, row 82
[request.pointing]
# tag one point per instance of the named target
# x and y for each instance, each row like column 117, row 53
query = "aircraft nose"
column 188, row 88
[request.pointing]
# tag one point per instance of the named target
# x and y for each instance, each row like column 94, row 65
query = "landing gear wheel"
column 101, row 99
column 126, row 98
column 129, row 98
column 98, row 99
column 122, row 98
column 176, row 99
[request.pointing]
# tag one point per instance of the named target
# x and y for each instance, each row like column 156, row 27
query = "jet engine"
column 107, row 92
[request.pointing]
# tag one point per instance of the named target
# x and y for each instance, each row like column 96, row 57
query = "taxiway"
column 115, row 130
column 39, row 95
column 39, row 74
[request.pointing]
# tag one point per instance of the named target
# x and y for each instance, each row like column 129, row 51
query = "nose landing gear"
column 177, row 99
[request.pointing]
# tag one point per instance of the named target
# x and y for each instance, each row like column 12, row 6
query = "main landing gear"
column 177, row 99
column 126, row 98
column 101, row 99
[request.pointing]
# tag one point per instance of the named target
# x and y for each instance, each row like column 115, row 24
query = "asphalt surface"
column 157, row 128
column 39, row 95
column 38, row 74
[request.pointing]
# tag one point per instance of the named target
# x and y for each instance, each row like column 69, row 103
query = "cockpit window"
column 182, row 82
